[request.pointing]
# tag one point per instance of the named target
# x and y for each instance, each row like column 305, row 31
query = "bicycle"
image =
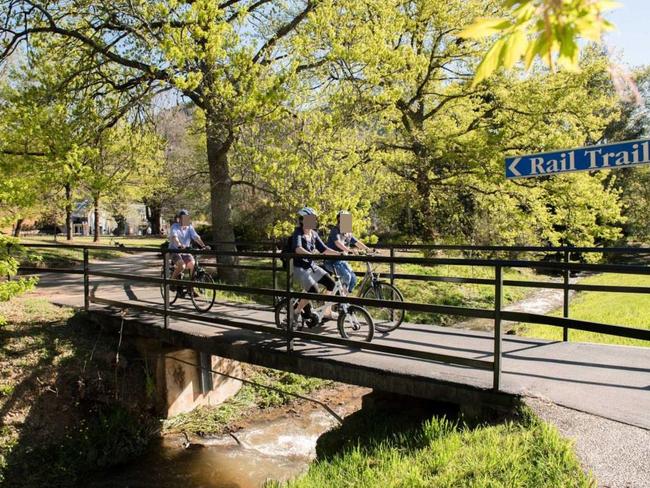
column 202, row 298
column 353, row 322
column 386, row 319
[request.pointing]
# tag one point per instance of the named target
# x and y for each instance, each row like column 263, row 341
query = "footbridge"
column 469, row 367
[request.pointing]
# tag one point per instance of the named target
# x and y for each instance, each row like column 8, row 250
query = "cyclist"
column 181, row 235
column 347, row 243
column 305, row 240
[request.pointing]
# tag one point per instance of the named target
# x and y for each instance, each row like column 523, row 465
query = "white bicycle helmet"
column 304, row 211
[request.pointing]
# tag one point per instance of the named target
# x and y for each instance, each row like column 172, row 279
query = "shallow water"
column 279, row 449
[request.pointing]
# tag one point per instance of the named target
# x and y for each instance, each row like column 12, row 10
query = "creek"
column 278, row 448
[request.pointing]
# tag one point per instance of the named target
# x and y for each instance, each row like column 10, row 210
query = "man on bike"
column 181, row 235
column 305, row 241
column 347, row 243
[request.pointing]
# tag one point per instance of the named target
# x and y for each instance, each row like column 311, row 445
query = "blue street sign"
column 605, row 156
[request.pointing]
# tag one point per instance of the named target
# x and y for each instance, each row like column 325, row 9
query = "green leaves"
column 548, row 29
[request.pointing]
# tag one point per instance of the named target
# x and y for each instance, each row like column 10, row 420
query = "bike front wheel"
column 202, row 297
column 173, row 295
column 282, row 314
column 386, row 319
column 355, row 323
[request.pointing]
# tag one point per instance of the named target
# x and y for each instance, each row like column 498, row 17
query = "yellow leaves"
column 548, row 29
column 483, row 27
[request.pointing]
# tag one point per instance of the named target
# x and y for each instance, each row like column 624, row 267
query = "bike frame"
column 196, row 270
column 370, row 279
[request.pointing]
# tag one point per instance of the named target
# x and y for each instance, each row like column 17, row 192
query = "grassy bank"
column 398, row 449
column 626, row 309
column 65, row 407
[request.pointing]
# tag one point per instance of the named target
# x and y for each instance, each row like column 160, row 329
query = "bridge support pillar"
column 181, row 384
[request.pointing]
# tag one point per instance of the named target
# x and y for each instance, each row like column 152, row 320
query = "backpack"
column 286, row 249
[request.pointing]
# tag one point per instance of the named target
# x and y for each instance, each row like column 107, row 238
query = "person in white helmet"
column 347, row 243
column 306, row 241
column 181, row 236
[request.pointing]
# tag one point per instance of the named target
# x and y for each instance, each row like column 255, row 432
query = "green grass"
column 380, row 449
column 103, row 240
column 65, row 408
column 65, row 257
column 438, row 293
column 458, row 294
column 625, row 309
column 249, row 398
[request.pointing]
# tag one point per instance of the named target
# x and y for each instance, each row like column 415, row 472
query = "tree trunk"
column 18, row 227
column 68, row 212
column 219, row 140
column 96, row 210
column 154, row 214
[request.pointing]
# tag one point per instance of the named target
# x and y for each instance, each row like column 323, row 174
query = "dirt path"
column 541, row 302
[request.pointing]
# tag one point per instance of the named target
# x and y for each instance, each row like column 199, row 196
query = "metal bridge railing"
column 497, row 314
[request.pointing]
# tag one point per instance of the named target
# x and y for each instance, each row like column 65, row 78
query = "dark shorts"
column 186, row 258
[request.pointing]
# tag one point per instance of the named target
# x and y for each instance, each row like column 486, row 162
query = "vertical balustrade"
column 166, row 290
column 498, row 301
column 86, row 281
column 565, row 311
column 290, row 311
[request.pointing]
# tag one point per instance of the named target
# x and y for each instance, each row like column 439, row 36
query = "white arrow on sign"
column 513, row 167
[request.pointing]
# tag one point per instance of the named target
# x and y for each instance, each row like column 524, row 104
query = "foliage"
column 10, row 254
column 280, row 109
column 442, row 452
column 181, row 180
column 633, row 184
column 444, row 139
column 548, row 29
column 308, row 159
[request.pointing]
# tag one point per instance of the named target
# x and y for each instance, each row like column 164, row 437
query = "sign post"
column 604, row 156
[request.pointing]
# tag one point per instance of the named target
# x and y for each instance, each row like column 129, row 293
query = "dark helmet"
column 182, row 212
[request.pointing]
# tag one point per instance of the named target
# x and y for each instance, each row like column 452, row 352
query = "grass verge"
column 626, row 309
column 394, row 449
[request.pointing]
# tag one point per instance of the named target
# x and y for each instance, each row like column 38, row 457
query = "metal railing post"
column 86, row 281
column 275, row 272
column 498, row 300
column 8, row 255
column 290, row 311
column 166, row 291
column 392, row 266
column 565, row 311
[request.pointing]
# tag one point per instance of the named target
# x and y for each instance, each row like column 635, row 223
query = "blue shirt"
column 185, row 236
column 336, row 235
column 299, row 239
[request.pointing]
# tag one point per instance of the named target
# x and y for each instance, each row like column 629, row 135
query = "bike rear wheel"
column 202, row 297
column 355, row 323
column 386, row 319
column 173, row 295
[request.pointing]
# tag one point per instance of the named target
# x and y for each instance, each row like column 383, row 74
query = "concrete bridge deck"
column 609, row 381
